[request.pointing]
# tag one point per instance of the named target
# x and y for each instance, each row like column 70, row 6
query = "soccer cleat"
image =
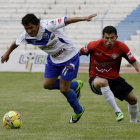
column 78, row 90
column 75, row 118
column 120, row 116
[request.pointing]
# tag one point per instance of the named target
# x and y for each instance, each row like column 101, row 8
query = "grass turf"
column 46, row 113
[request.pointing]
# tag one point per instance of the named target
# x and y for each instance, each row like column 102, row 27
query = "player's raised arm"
column 77, row 19
column 136, row 65
column 5, row 57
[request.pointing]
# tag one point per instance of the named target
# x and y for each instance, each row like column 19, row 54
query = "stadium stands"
column 110, row 12
column 130, row 24
column 134, row 44
column 129, row 31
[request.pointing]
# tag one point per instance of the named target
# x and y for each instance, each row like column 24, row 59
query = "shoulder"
column 47, row 23
column 122, row 45
column 94, row 44
column 43, row 23
column 23, row 35
column 21, row 38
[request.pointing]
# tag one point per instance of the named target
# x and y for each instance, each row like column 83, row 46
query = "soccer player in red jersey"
column 105, row 59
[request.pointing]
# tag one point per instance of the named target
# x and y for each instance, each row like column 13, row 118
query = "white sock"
column 108, row 95
column 133, row 111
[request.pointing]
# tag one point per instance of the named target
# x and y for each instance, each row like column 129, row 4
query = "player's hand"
column 4, row 58
column 89, row 18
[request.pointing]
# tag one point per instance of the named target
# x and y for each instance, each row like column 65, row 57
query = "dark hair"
column 109, row 30
column 30, row 18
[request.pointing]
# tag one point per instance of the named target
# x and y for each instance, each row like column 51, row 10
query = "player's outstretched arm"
column 77, row 19
column 136, row 65
column 5, row 57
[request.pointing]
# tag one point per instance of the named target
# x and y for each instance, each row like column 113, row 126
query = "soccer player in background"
column 105, row 59
column 63, row 56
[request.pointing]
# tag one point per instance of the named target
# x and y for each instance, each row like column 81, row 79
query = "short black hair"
column 30, row 18
column 109, row 30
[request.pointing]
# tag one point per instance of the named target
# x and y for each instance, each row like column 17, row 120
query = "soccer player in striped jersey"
column 63, row 56
column 105, row 59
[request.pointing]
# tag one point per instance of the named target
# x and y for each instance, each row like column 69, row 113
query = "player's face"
column 32, row 29
column 109, row 40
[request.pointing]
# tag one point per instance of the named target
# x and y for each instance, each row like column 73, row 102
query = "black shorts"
column 118, row 86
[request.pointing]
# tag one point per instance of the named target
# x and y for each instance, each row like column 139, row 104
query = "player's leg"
column 101, row 86
column 54, row 83
column 72, row 99
column 51, row 74
column 77, row 86
column 51, row 81
column 70, row 95
column 69, row 72
column 133, row 107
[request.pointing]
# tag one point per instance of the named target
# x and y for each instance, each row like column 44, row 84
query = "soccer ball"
column 12, row 119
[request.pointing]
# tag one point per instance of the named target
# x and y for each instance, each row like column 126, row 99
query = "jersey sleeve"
column 55, row 24
column 88, row 48
column 127, row 54
column 21, row 40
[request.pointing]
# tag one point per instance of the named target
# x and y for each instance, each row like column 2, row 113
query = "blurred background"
column 123, row 14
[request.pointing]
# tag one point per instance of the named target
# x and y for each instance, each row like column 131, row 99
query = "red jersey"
column 106, row 62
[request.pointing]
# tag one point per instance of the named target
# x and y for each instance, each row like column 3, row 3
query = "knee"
column 103, row 82
column 64, row 90
column 133, row 101
column 47, row 86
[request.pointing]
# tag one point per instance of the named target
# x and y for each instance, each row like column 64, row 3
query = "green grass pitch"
column 46, row 113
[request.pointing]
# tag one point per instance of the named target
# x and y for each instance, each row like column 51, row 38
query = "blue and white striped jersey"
column 52, row 40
